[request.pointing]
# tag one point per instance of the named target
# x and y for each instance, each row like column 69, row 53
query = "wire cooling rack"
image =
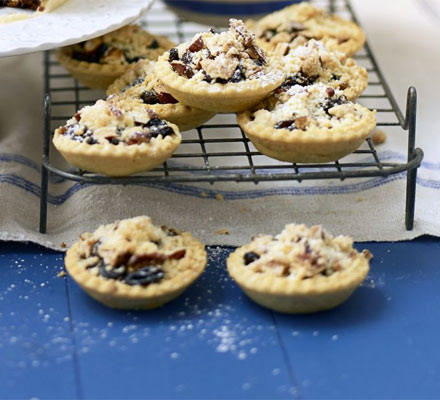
column 219, row 150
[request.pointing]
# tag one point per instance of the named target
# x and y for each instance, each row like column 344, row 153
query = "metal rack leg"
column 410, row 198
column 411, row 180
column 332, row 7
column 43, row 199
column 44, row 170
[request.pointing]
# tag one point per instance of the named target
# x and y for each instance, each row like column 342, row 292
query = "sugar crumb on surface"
column 378, row 136
column 222, row 232
column 218, row 325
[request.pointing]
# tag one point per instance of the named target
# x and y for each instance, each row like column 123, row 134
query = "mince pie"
column 298, row 23
column 140, row 83
column 98, row 62
column 116, row 138
column 133, row 264
column 307, row 124
column 220, row 72
column 301, row 270
column 313, row 63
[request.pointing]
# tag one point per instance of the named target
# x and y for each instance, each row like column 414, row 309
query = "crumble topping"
column 307, row 107
column 115, row 122
column 301, row 253
column 124, row 46
column 313, row 63
column 133, row 251
column 298, row 23
column 229, row 57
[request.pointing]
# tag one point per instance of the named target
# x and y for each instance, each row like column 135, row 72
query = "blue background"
column 212, row 342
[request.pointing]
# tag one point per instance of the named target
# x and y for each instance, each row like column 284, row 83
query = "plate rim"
column 16, row 51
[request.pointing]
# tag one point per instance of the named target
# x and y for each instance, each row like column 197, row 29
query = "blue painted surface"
column 36, row 348
column 207, row 344
column 383, row 343
column 213, row 342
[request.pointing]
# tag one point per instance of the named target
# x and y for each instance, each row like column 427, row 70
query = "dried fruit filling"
column 29, row 4
column 228, row 57
column 147, row 87
column 152, row 97
column 137, row 81
column 105, row 123
column 125, row 46
column 103, row 53
column 250, row 257
column 135, row 267
column 298, row 79
column 285, row 32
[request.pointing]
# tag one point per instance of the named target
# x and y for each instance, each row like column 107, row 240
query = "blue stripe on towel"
column 185, row 190
column 383, row 156
column 18, row 158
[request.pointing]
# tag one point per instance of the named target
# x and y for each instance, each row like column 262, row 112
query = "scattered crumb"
column 367, row 254
column 360, row 199
column 204, row 195
column 222, row 232
column 379, row 137
column 61, row 274
column 63, row 245
column 219, row 197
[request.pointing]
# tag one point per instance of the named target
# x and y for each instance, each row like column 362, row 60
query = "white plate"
column 73, row 22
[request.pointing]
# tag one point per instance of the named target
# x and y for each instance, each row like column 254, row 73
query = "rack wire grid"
column 219, row 150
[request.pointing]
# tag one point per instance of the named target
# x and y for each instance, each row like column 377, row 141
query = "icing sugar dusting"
column 208, row 319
